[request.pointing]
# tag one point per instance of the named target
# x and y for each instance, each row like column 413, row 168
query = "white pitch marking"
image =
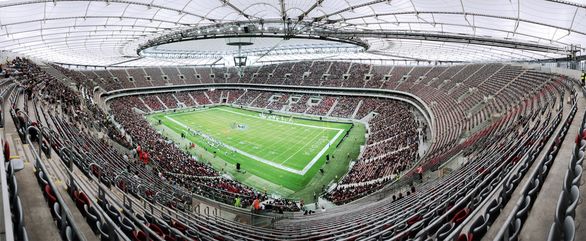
column 285, row 168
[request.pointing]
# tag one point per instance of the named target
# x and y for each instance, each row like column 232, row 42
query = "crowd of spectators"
column 391, row 148
column 301, row 105
column 18, row 67
column 167, row 155
column 280, row 72
column 298, row 70
column 247, row 97
column 338, row 69
column 168, row 100
column 392, row 145
column 153, row 102
column 443, row 89
column 368, row 105
column 233, row 95
column 316, row 72
column 200, row 97
column 215, row 95
column 356, row 75
column 185, row 98
column 323, row 107
column 262, row 100
column 279, row 103
column 249, row 74
column 345, row 107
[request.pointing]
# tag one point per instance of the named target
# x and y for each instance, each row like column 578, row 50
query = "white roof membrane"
column 109, row 32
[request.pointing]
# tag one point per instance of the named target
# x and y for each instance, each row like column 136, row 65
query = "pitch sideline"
column 276, row 165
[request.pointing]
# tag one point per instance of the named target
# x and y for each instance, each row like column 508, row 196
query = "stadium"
column 176, row 120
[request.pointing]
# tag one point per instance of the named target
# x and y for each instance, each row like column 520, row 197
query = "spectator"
column 237, row 202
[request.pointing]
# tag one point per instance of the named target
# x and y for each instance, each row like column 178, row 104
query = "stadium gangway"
column 565, row 217
column 128, row 204
column 148, row 207
column 8, row 226
column 506, row 228
column 3, row 118
column 207, row 213
column 459, row 204
column 217, row 206
column 530, row 187
column 101, row 194
column 73, row 183
column 65, row 212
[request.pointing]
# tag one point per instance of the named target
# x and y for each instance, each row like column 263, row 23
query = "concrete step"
column 38, row 219
column 542, row 214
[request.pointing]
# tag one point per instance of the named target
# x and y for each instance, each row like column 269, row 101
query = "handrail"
column 44, row 128
column 155, row 206
column 467, row 197
column 512, row 214
column 442, row 218
column 74, row 184
column 159, row 207
column 102, row 194
column 2, row 118
column 8, row 225
column 65, row 212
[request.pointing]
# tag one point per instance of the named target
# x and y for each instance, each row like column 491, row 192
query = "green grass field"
column 279, row 154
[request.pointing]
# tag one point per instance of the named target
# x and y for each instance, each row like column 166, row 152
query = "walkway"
column 542, row 213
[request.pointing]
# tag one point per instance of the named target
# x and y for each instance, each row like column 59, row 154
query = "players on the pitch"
column 275, row 117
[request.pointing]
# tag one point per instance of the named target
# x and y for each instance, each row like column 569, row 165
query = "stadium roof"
column 109, row 33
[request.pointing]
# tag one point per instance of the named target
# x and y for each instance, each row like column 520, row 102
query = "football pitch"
column 284, row 151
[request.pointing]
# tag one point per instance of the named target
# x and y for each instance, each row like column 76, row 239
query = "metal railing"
column 505, row 230
column 67, row 217
column 8, row 232
column 75, row 184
